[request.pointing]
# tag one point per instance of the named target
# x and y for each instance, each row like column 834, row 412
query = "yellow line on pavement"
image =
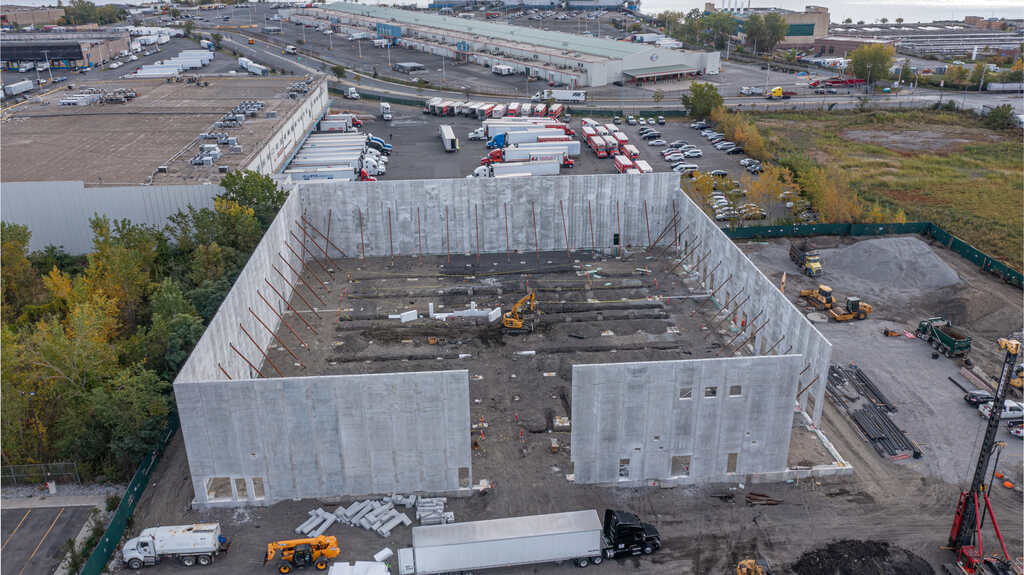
column 40, row 544
column 23, row 518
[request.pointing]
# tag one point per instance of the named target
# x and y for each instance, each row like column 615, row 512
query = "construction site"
column 585, row 342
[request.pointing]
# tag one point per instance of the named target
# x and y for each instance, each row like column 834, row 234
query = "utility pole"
column 389, row 53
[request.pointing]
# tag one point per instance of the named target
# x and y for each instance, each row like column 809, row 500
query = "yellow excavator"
column 820, row 298
column 299, row 553
column 512, row 321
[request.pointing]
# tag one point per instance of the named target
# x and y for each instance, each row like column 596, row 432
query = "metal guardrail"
column 97, row 562
column 967, row 251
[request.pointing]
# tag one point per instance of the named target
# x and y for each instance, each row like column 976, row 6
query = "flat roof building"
column 804, row 27
column 28, row 16
column 63, row 50
column 569, row 59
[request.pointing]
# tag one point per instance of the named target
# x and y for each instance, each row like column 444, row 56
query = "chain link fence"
column 36, row 473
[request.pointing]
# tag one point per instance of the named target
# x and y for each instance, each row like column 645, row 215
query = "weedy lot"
column 936, row 166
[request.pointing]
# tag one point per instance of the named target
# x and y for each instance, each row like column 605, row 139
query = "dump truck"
column 806, row 258
column 576, row 536
column 943, row 337
column 193, row 544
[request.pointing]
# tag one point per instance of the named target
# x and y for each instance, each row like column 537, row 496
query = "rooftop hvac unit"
column 222, row 169
column 161, row 169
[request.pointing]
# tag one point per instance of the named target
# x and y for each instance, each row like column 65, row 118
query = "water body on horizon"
column 869, row 11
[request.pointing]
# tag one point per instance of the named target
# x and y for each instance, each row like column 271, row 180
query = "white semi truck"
column 575, row 96
column 576, row 536
column 193, row 544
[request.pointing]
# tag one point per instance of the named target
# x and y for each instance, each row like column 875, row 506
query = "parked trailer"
column 538, row 168
column 571, row 147
column 622, row 163
column 571, row 96
column 521, row 137
column 540, row 109
column 514, row 154
column 576, row 536
column 191, row 544
column 513, row 109
column 526, row 109
column 428, row 106
column 448, row 139
column 631, row 151
column 556, row 110
column 643, row 166
column 18, row 88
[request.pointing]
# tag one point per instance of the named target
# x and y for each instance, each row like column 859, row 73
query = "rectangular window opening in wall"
column 257, row 488
column 686, row 392
column 240, row 488
column 711, row 391
column 463, row 477
column 623, row 469
column 680, row 465
column 730, row 464
column 218, row 489
column 735, row 391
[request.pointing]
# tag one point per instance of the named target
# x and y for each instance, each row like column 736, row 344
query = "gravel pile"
column 899, row 263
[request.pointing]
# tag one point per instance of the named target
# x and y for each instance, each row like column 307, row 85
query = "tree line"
column 91, row 344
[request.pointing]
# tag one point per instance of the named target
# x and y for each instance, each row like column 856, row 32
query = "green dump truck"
column 943, row 337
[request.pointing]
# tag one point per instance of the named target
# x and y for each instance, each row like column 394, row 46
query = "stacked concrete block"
column 430, row 511
column 317, row 524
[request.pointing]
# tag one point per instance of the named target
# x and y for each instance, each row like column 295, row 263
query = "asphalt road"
column 32, row 537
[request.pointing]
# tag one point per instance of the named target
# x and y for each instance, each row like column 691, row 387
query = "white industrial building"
column 569, row 59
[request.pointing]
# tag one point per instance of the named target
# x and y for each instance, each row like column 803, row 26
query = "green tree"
column 955, row 75
column 693, row 25
column 871, row 60
column 187, row 28
column 19, row 282
column 253, row 190
column 848, row 21
column 702, row 100
column 753, row 27
column 658, row 96
column 121, row 264
column 977, row 73
column 899, row 21
column 775, row 29
column 884, row 20
column 720, row 26
column 216, row 38
column 1001, row 118
column 338, row 71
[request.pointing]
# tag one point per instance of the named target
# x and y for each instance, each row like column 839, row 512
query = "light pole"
column 49, row 68
column 867, row 85
column 389, row 53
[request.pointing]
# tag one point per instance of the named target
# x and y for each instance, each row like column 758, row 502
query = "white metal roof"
column 505, row 528
column 521, row 34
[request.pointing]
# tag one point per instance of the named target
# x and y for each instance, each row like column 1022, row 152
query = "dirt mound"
column 852, row 557
column 884, row 264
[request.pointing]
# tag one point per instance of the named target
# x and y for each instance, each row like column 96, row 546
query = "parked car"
column 661, row 120
column 747, row 161
column 684, row 168
column 675, row 158
column 736, row 150
column 694, row 153
column 1011, row 410
column 976, row 397
column 719, row 173
column 679, row 143
column 631, row 120
column 653, row 136
column 755, row 168
column 1017, row 429
column 699, row 125
column 641, row 121
column 656, row 143
column 616, row 120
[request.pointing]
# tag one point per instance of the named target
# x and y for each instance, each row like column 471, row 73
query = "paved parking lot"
column 32, row 538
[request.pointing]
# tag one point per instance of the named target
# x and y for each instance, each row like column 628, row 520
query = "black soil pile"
column 850, row 557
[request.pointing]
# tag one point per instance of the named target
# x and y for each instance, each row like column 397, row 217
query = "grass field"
column 937, row 166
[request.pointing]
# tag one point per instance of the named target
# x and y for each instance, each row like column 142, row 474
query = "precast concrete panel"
column 328, row 436
column 631, row 419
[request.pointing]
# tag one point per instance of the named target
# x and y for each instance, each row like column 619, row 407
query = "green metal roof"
column 611, row 49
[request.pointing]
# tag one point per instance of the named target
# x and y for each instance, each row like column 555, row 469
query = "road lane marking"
column 23, row 518
column 40, row 544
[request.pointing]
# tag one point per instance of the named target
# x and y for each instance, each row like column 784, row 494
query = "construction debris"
column 378, row 515
column 761, row 499
column 430, row 511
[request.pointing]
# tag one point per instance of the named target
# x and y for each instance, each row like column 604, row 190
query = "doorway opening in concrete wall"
column 623, row 469
column 218, row 489
column 680, row 466
column 686, row 392
column 730, row 464
column 463, row 477
column 257, row 488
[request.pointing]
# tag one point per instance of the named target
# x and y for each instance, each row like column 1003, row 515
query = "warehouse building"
column 804, row 27
column 67, row 50
column 25, row 16
column 575, row 61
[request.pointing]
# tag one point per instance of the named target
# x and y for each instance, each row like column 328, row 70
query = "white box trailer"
column 191, row 544
column 527, row 136
column 448, row 139
column 643, row 166
column 572, row 147
column 18, row 88
column 502, row 542
column 576, row 96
